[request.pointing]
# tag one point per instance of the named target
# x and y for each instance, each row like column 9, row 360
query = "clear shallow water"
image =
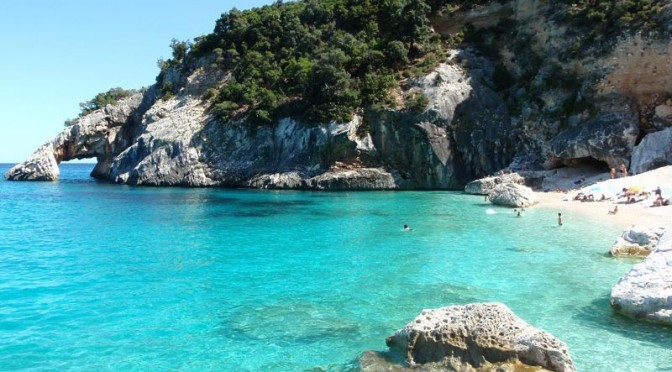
column 106, row 277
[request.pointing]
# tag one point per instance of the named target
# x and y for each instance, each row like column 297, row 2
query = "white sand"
column 640, row 213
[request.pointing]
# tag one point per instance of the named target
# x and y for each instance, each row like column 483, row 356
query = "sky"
column 56, row 54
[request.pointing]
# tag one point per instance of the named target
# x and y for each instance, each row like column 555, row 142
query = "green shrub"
column 103, row 99
column 318, row 60
column 416, row 102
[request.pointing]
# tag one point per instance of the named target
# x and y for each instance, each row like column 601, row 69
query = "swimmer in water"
column 407, row 228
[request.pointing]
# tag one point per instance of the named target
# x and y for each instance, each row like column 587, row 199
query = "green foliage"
column 167, row 90
column 69, row 122
column 180, row 49
column 103, row 99
column 596, row 23
column 315, row 59
column 416, row 102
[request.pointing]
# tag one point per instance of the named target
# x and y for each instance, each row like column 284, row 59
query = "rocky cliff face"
column 177, row 142
column 518, row 96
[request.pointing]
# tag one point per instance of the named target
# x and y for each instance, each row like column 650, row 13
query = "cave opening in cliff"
column 587, row 163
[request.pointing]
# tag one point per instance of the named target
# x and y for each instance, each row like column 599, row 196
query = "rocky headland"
column 512, row 91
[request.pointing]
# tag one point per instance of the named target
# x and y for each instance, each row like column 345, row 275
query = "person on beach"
column 615, row 210
column 658, row 192
column 624, row 170
column 612, row 173
column 559, row 219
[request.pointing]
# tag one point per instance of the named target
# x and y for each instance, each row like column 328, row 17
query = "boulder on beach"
column 485, row 185
column 637, row 241
column 474, row 337
column 645, row 292
column 513, row 195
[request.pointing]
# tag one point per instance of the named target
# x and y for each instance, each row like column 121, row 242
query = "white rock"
column 40, row 166
column 637, row 241
column 513, row 195
column 645, row 292
column 485, row 185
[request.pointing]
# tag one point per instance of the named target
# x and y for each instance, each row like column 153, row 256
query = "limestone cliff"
column 522, row 90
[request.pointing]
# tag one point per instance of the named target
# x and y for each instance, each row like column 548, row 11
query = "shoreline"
column 639, row 213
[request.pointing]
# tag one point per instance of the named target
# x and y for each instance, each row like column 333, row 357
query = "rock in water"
column 513, row 195
column 485, row 185
column 637, row 241
column 645, row 292
column 476, row 336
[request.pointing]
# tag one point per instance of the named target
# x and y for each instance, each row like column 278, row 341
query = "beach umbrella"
column 636, row 189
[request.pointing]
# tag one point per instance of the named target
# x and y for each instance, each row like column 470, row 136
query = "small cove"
column 100, row 276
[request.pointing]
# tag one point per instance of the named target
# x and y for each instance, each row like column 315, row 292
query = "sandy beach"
column 639, row 213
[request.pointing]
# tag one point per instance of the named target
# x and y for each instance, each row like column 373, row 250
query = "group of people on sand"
column 588, row 197
column 636, row 194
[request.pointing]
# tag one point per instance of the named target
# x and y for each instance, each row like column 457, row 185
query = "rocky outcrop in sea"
column 645, row 292
column 637, row 241
column 473, row 337
column 483, row 186
column 512, row 195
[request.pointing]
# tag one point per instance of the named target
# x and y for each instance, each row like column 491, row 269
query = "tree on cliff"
column 103, row 99
column 315, row 60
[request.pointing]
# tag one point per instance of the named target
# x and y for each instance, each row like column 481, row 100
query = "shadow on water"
column 290, row 324
column 600, row 315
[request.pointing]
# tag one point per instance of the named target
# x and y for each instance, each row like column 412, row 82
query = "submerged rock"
column 474, row 337
column 637, row 241
column 645, row 292
column 485, row 185
column 513, row 195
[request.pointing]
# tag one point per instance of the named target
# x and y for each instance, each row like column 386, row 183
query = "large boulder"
column 645, row 292
column 485, row 185
column 476, row 336
column 637, row 241
column 513, row 195
column 653, row 152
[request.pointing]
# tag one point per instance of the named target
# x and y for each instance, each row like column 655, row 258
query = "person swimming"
column 407, row 228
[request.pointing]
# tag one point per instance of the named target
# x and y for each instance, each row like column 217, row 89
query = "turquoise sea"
column 95, row 276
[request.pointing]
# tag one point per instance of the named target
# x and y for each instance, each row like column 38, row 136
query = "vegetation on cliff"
column 320, row 60
column 101, row 100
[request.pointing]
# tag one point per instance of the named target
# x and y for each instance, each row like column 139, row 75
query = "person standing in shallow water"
column 559, row 219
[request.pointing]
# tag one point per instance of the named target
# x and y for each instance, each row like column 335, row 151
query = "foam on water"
column 98, row 276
